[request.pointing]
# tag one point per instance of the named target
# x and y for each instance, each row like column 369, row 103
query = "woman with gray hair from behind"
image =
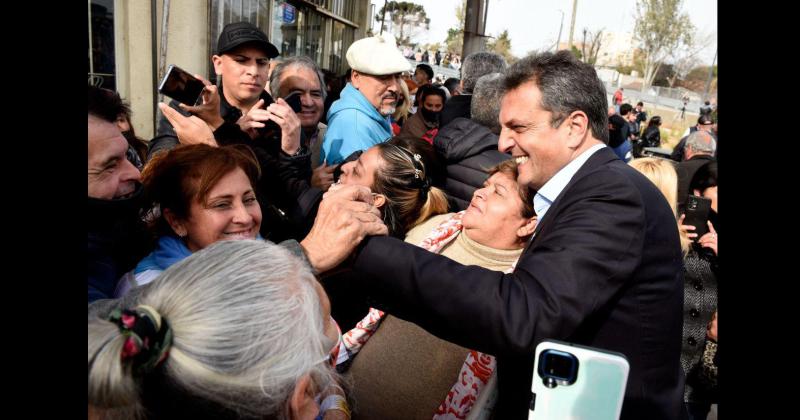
column 240, row 329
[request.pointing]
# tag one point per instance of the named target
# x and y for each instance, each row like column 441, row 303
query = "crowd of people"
column 396, row 248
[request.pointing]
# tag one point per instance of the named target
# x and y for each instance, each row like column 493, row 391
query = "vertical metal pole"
column 91, row 52
column 710, row 75
column 162, row 59
column 558, row 41
column 383, row 18
column 154, row 63
column 572, row 26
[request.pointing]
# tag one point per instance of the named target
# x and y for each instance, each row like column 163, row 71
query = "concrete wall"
column 187, row 47
column 132, row 44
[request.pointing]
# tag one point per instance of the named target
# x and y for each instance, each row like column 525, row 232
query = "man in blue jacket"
column 360, row 118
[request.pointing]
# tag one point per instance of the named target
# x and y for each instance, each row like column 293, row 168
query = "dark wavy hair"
column 187, row 173
column 567, row 85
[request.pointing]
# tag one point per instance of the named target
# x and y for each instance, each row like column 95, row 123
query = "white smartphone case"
column 596, row 394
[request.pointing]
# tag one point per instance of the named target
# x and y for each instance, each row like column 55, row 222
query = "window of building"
column 224, row 12
column 101, row 65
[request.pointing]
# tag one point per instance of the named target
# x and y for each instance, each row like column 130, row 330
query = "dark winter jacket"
column 117, row 240
column 285, row 184
column 455, row 107
column 469, row 150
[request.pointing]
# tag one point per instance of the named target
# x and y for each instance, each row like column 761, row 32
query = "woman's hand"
column 711, row 330
column 709, row 240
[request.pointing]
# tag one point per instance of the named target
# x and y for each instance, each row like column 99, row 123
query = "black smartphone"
column 181, row 86
column 271, row 128
column 697, row 209
column 293, row 99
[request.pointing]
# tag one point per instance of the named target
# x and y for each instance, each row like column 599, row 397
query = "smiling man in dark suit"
column 603, row 268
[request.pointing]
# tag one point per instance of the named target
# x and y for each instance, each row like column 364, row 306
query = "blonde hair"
column 246, row 323
column 661, row 172
column 401, row 111
column 409, row 201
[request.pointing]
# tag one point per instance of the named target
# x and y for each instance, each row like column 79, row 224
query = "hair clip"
column 417, row 157
column 416, row 173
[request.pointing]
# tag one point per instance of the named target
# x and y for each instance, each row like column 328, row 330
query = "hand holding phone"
column 181, row 86
column 697, row 209
column 577, row 382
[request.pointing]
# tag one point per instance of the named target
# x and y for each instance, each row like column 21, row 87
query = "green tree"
column 455, row 36
column 661, row 29
column 576, row 52
column 407, row 19
column 502, row 45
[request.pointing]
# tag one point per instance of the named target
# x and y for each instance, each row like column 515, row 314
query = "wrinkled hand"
column 709, row 240
column 208, row 111
column 345, row 216
column 322, row 177
column 190, row 130
column 711, row 330
column 280, row 112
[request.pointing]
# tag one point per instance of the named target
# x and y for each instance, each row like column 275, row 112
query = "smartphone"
column 271, row 128
column 577, row 382
column 293, row 99
column 697, row 209
column 181, row 86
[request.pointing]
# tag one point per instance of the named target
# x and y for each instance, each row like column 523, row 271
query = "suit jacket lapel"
column 601, row 157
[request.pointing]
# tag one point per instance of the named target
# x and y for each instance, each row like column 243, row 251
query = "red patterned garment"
column 477, row 368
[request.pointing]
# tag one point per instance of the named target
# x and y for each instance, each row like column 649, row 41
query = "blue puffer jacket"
column 353, row 124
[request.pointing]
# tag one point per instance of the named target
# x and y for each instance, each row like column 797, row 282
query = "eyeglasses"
column 333, row 355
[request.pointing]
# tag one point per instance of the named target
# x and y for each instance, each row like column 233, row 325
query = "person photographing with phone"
column 238, row 110
column 700, row 301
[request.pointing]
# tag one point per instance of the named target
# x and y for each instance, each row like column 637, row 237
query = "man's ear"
column 528, row 228
column 578, row 124
column 301, row 402
column 378, row 200
column 355, row 79
column 175, row 223
column 217, row 61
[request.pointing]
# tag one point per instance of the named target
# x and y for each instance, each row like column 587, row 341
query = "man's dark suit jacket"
column 603, row 270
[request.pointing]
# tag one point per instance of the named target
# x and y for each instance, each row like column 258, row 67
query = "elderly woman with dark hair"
column 239, row 330
column 197, row 195
column 490, row 233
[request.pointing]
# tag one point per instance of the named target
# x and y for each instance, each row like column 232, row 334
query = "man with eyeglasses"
column 360, row 118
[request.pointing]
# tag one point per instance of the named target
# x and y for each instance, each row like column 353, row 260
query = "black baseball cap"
column 236, row 34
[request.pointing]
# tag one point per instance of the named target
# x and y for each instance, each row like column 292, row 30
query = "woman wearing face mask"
column 425, row 123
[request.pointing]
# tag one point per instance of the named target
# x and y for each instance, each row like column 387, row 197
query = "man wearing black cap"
column 241, row 64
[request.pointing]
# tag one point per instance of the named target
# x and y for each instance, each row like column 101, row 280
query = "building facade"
column 132, row 42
